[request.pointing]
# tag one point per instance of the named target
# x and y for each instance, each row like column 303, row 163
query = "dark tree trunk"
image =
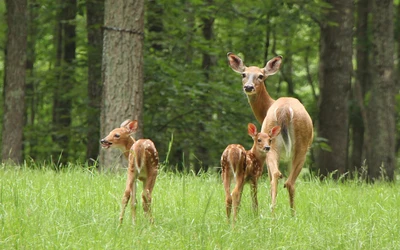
column 122, row 71
column 31, row 141
column 14, row 81
column 155, row 14
column 381, row 158
column 397, row 39
column 361, row 86
column 268, row 27
column 95, row 20
column 335, row 83
column 208, row 62
column 62, row 99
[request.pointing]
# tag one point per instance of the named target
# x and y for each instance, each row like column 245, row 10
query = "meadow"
column 79, row 208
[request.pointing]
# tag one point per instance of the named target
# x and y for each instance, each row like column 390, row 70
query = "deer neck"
column 260, row 103
column 260, row 157
column 128, row 146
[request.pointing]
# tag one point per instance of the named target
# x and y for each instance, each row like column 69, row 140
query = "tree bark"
column 208, row 62
column 361, row 86
column 122, row 71
column 14, row 81
column 31, row 141
column 381, row 158
column 155, row 14
column 335, row 83
column 62, row 99
column 95, row 20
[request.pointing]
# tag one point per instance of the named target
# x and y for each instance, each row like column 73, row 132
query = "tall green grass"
column 79, row 209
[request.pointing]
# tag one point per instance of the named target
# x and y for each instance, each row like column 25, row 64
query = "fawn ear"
column 252, row 129
column 235, row 62
column 124, row 123
column 273, row 65
column 132, row 126
column 274, row 132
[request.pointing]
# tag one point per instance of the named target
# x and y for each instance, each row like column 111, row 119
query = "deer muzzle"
column 105, row 144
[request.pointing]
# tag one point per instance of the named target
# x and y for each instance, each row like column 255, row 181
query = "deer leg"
column 275, row 175
column 127, row 194
column 297, row 164
column 237, row 194
column 254, row 195
column 148, row 185
column 228, row 198
column 133, row 200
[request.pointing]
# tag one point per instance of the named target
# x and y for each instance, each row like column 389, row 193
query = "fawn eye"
column 260, row 77
column 243, row 75
column 116, row 135
column 259, row 140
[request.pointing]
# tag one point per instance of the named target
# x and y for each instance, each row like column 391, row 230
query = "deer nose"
column 267, row 148
column 102, row 141
column 248, row 88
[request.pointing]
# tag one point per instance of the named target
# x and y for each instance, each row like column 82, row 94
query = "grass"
column 79, row 209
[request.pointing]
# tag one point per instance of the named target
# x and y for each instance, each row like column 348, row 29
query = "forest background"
column 73, row 70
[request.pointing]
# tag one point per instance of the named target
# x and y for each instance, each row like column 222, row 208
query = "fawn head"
column 262, row 141
column 253, row 77
column 120, row 137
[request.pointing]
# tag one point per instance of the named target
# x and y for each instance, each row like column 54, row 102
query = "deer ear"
column 124, row 123
column 132, row 126
column 252, row 129
column 235, row 62
column 273, row 65
column 274, row 132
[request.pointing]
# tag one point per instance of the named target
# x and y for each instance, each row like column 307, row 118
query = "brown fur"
column 142, row 156
column 245, row 167
column 270, row 113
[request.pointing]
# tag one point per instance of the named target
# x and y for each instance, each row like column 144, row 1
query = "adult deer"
column 296, row 125
column 143, row 165
column 245, row 167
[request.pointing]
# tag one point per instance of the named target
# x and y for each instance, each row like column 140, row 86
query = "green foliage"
column 178, row 96
column 78, row 208
column 200, row 107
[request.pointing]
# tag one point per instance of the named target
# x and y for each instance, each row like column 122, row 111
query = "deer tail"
column 284, row 116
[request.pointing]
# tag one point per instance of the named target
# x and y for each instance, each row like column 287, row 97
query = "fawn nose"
column 267, row 148
column 248, row 88
column 102, row 141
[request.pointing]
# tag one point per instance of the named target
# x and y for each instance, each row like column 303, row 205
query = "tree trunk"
column 122, row 70
column 155, row 14
column 361, row 86
column 14, row 81
column 31, row 141
column 381, row 158
column 95, row 19
column 62, row 99
column 208, row 62
column 335, row 83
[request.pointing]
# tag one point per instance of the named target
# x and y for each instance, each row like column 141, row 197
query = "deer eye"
column 116, row 135
column 260, row 77
column 243, row 75
column 259, row 140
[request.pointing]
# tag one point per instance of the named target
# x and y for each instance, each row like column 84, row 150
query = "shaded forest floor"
column 79, row 209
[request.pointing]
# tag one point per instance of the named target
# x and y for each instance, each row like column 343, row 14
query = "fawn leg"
column 254, row 195
column 237, row 194
column 127, row 194
column 148, row 185
column 226, row 178
column 275, row 174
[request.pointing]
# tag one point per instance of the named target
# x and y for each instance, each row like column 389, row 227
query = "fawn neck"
column 260, row 103
column 260, row 157
column 129, row 142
